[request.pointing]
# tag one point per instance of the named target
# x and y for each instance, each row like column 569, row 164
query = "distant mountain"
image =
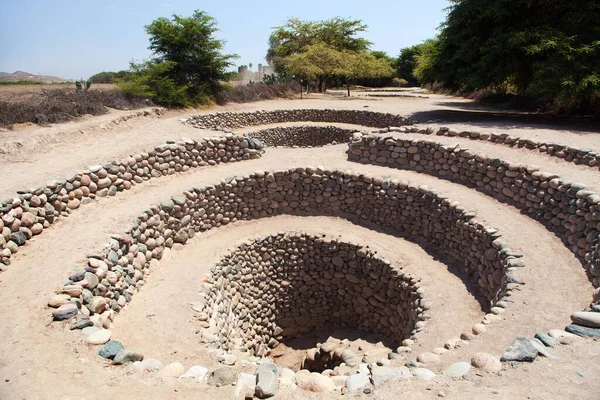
column 26, row 76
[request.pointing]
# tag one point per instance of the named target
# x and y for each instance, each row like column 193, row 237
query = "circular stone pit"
column 284, row 286
column 302, row 136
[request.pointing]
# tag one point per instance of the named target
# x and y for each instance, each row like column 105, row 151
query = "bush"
column 400, row 82
column 258, row 91
column 60, row 105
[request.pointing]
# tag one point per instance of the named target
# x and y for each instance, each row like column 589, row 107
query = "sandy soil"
column 43, row 360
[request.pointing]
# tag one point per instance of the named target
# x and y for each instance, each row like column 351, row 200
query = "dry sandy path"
column 36, row 352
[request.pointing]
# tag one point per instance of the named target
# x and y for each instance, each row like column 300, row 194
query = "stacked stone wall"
column 115, row 273
column 32, row 211
column 565, row 207
column 233, row 120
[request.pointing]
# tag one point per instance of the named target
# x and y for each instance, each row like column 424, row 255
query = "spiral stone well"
column 283, row 286
column 302, row 136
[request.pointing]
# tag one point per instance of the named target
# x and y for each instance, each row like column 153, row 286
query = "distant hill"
column 18, row 76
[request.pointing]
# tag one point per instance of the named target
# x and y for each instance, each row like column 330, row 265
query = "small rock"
column 458, row 369
column 486, row 362
column 245, row 386
column 64, row 312
column 357, row 382
column 545, row 339
column 228, row 359
column 478, row 329
column 542, row 349
column 520, row 350
column 382, row 374
column 58, row 300
column 81, row 324
column 222, row 376
column 89, row 330
column 126, row 357
column 151, row 365
column 266, row 383
column 588, row 319
column 315, row 382
column 423, row 374
column 110, row 349
column 172, row 370
column 98, row 337
column 428, row 358
column 583, row 331
column 196, row 372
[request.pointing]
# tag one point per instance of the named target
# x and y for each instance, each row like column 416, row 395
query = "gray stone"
column 19, row 238
column 64, row 313
column 357, row 382
column 110, row 349
column 82, row 323
column 458, row 369
column 520, row 350
column 125, row 357
column 222, row 376
column 583, row 331
column 542, row 349
column 545, row 339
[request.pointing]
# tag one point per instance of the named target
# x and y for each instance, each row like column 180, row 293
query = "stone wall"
column 34, row 210
column 232, row 120
column 116, row 272
column 294, row 284
column 302, row 136
column 575, row 155
column 562, row 206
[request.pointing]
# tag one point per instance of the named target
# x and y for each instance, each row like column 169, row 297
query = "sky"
column 75, row 39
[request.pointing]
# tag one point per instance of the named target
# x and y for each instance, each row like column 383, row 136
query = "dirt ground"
column 44, row 360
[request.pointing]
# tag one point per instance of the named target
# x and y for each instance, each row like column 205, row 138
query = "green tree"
column 187, row 66
column 407, row 62
column 196, row 55
column 322, row 62
column 548, row 49
column 424, row 69
column 295, row 36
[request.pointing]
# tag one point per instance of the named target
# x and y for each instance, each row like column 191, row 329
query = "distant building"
column 247, row 75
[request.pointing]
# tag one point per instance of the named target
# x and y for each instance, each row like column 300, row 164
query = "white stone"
column 357, row 382
column 245, row 386
column 196, row 372
column 458, row 369
column 99, row 337
column 423, row 374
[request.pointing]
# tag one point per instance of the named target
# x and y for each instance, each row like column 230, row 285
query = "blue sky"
column 78, row 38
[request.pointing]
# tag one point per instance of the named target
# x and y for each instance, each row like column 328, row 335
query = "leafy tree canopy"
column 295, row 35
column 194, row 54
column 545, row 48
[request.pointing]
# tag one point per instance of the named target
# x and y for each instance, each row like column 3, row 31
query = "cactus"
column 83, row 86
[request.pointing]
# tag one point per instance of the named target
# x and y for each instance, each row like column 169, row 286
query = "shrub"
column 258, row 91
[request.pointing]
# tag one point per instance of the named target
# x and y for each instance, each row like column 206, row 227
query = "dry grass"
column 17, row 93
column 60, row 103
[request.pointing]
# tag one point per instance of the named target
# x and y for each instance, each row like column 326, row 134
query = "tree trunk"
column 320, row 88
column 348, row 87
